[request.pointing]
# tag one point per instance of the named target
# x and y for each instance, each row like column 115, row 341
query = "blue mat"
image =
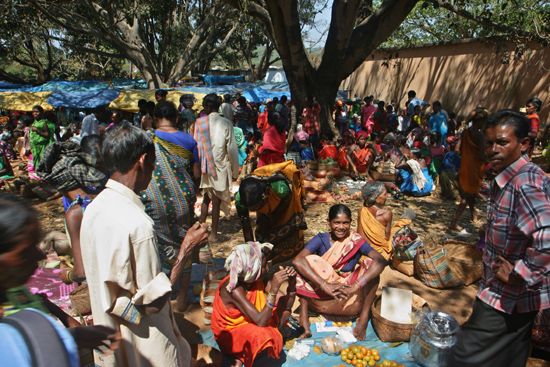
column 322, row 360
column 198, row 271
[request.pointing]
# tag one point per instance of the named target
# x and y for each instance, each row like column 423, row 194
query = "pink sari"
column 329, row 267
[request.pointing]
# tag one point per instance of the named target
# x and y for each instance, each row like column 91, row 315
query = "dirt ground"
column 433, row 216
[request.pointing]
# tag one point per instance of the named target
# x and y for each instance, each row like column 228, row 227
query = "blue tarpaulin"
column 11, row 87
column 88, row 99
column 259, row 94
column 222, row 79
column 63, row 85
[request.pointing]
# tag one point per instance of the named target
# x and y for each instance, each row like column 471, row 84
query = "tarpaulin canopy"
column 222, row 79
column 81, row 86
column 219, row 89
column 88, row 99
column 24, row 101
column 11, row 87
column 260, row 95
column 129, row 83
column 128, row 99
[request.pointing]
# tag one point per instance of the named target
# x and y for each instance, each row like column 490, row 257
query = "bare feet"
column 305, row 335
column 455, row 226
column 360, row 330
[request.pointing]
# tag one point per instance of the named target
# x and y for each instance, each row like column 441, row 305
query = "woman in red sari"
column 532, row 107
column 244, row 321
column 274, row 142
column 331, row 267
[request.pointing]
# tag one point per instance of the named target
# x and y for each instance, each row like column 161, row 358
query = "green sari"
column 38, row 142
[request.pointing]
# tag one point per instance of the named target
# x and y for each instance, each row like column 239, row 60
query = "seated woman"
column 244, row 321
column 361, row 155
column 328, row 147
column 276, row 193
column 374, row 223
column 5, row 168
column 332, row 279
column 348, row 139
column 414, row 176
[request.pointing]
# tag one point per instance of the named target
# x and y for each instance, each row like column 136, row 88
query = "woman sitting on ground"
column 244, row 320
column 330, row 268
column 414, row 177
column 374, row 223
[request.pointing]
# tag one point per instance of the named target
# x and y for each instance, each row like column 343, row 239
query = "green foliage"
column 429, row 22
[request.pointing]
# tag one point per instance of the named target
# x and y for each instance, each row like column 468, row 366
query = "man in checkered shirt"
column 516, row 262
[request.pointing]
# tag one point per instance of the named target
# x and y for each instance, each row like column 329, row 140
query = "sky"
column 315, row 36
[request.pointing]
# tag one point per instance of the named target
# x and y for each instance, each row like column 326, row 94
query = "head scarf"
column 348, row 137
column 361, row 133
column 301, row 136
column 245, row 262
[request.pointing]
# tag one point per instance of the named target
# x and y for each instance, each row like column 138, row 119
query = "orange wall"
column 461, row 76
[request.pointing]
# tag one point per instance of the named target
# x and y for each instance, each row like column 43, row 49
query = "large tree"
column 357, row 28
column 164, row 39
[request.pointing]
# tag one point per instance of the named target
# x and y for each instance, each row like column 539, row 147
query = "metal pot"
column 433, row 339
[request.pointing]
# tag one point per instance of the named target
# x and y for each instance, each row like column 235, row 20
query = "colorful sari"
column 273, row 148
column 38, row 142
column 241, row 144
column 237, row 336
column 170, row 199
column 282, row 222
column 361, row 159
column 375, row 232
column 329, row 267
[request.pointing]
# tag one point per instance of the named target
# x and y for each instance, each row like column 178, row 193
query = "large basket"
column 389, row 331
column 464, row 260
column 80, row 299
column 328, row 166
column 312, row 165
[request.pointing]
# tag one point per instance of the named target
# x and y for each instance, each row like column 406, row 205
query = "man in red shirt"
column 516, row 262
column 311, row 121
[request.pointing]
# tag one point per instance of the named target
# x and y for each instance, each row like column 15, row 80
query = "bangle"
column 68, row 276
column 291, row 294
column 361, row 281
column 269, row 304
column 271, row 298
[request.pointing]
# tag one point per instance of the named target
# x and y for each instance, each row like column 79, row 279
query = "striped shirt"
column 518, row 229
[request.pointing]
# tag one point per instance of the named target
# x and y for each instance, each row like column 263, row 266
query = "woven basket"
column 405, row 267
column 389, row 331
column 80, row 298
column 328, row 167
column 464, row 260
column 312, row 165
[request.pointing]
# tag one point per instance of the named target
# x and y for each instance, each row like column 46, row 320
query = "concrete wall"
column 461, row 76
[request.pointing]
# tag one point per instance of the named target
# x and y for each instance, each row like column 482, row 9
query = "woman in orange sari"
column 330, row 268
column 360, row 156
column 244, row 321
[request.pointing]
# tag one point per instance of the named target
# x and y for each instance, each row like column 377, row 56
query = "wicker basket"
column 389, row 331
column 464, row 260
column 312, row 165
column 328, row 167
column 80, row 298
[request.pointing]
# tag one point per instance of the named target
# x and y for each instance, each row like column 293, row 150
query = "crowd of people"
column 130, row 185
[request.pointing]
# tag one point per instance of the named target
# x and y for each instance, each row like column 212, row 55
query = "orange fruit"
column 376, row 357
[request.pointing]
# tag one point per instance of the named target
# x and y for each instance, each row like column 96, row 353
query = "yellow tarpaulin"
column 128, row 99
column 24, row 101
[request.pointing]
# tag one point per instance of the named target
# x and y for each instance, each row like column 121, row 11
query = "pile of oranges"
column 359, row 356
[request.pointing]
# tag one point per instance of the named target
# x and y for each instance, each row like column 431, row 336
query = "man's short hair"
column 437, row 104
column 161, row 93
column 411, row 94
column 212, row 100
column 151, row 104
column 512, row 118
column 142, row 102
column 123, row 145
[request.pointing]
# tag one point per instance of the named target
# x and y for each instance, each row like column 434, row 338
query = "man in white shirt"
column 227, row 110
column 90, row 123
column 128, row 290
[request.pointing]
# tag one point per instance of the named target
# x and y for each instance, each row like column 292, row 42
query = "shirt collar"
column 125, row 191
column 506, row 175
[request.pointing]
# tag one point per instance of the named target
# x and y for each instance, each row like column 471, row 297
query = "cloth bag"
column 430, row 265
column 403, row 249
column 80, row 299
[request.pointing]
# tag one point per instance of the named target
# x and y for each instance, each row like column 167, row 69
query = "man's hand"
column 197, row 236
column 504, row 270
column 93, row 337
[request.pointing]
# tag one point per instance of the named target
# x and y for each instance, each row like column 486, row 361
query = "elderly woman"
column 332, row 278
column 246, row 314
column 375, row 223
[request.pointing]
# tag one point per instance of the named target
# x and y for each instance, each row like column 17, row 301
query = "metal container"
column 433, row 339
